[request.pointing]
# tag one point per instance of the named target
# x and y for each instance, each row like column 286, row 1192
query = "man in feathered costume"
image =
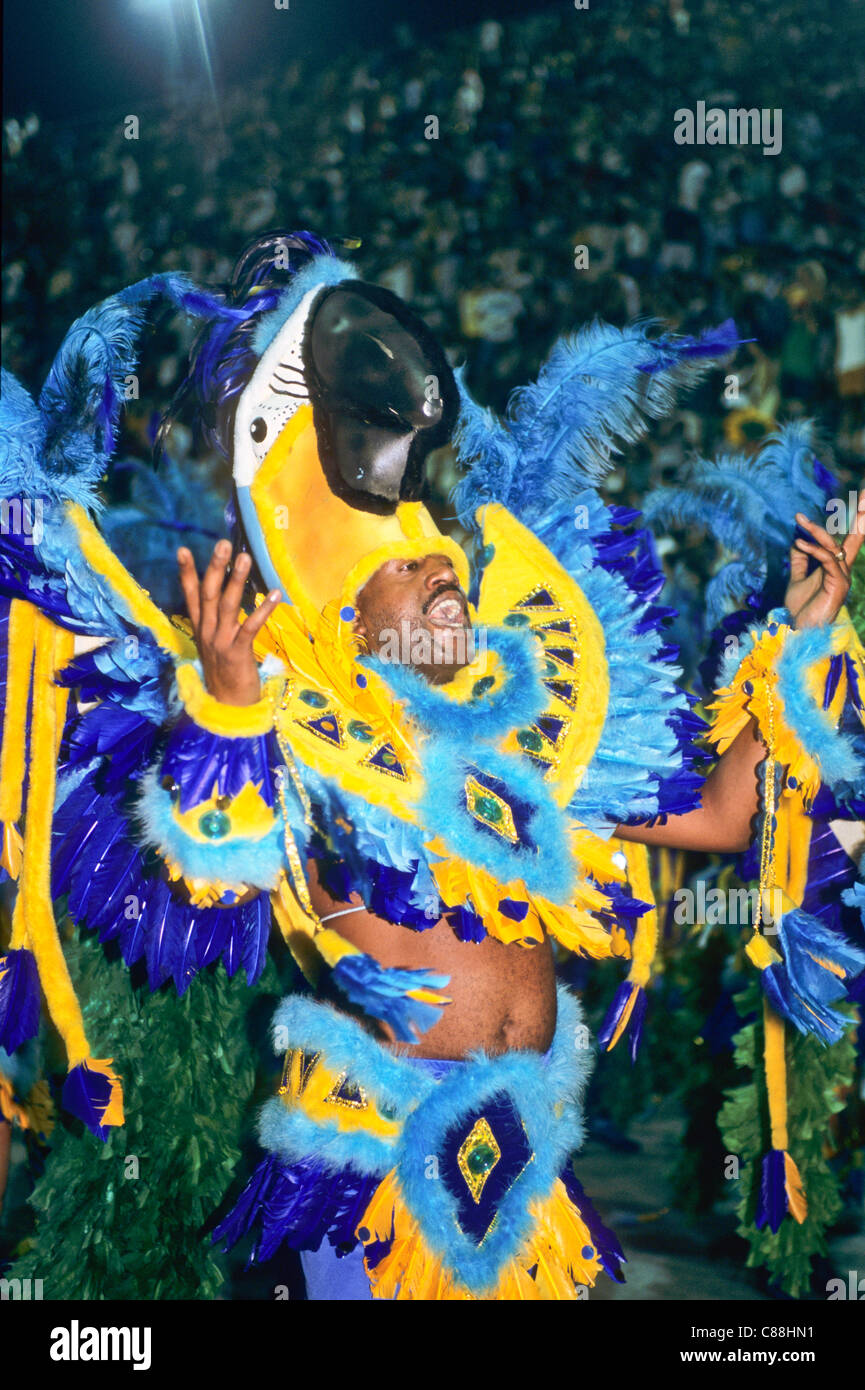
column 432, row 773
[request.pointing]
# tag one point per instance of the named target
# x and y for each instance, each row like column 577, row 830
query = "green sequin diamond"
column 491, row 810
column 477, row 1157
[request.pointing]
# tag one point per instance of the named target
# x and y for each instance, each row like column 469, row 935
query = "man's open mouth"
column 449, row 610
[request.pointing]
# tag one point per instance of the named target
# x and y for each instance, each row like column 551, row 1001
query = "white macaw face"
column 275, row 392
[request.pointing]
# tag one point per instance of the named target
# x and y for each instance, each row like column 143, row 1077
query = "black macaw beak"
column 383, row 394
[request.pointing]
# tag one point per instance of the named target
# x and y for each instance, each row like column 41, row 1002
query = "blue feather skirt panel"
column 459, row 1170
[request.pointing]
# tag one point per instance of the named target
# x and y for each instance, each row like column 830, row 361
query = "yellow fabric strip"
column 22, row 620
column 781, row 844
column 332, row 947
column 671, row 866
column 776, row 1075
column 34, row 914
column 645, row 942
column 798, row 829
column 229, row 721
column 64, row 650
column 298, row 931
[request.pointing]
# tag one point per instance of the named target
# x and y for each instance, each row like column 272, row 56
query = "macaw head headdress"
column 331, row 395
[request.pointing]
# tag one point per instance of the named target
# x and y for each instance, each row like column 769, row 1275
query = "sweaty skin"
column 503, row 997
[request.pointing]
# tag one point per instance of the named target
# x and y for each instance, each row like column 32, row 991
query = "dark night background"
column 556, row 130
column 83, row 58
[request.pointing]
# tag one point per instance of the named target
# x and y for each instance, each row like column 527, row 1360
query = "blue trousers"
column 331, row 1279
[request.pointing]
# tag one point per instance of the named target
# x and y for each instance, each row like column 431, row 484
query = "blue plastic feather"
column 383, row 993
column 19, row 999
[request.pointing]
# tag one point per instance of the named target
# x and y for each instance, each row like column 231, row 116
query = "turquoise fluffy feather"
column 83, row 394
column 597, row 390
column 56, row 453
column 518, row 700
column 257, row 863
column 747, row 506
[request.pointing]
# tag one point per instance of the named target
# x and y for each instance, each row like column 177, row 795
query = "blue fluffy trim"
column 345, row 1047
column 254, row 862
column 541, row 858
column 321, row 271
column 294, row 1136
column 316, row 1027
column 834, row 752
column 517, row 701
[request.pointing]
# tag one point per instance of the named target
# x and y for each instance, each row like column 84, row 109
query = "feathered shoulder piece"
column 544, row 461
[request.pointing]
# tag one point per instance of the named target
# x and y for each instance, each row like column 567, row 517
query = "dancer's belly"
column 503, row 997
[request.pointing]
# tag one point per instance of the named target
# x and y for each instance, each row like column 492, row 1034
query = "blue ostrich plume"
column 597, row 390
column 747, row 506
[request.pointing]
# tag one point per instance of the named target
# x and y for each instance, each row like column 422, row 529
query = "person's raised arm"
column 730, row 800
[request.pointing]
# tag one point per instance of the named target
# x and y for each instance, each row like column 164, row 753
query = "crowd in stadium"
column 473, row 169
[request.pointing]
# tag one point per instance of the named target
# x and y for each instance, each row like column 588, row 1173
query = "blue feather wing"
column 55, row 453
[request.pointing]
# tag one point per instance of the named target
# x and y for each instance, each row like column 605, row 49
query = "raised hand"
column 817, row 598
column 224, row 642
